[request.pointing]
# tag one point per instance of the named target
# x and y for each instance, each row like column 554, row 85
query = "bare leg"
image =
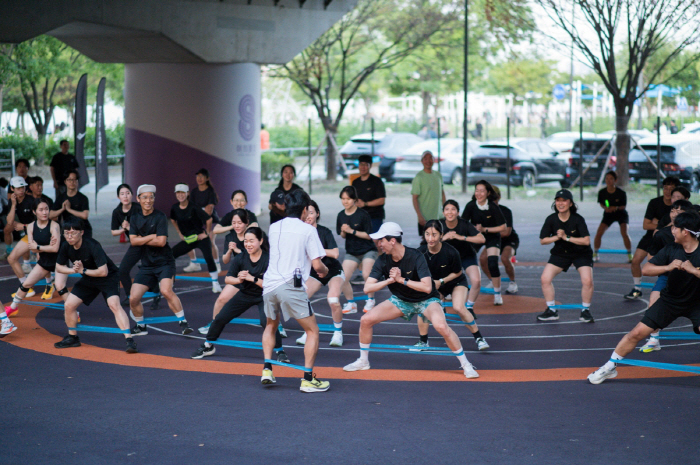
column 15, row 258
column 166, row 289
column 506, row 256
column 367, row 265
column 71, row 313
column 586, row 273
column 309, row 325
column 624, row 231
column 637, row 259
column 226, row 294
column 349, row 268
column 474, row 276
column 119, row 314
column 550, row 271
column 599, row 236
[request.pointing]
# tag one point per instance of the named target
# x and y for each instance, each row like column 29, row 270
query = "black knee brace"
column 63, row 291
column 23, row 289
column 696, row 329
column 493, row 266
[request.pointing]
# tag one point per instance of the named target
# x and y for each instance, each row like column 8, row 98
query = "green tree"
column 618, row 38
column 374, row 36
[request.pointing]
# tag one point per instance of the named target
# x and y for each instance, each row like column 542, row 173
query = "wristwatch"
column 568, row 238
column 405, row 281
column 38, row 248
column 255, row 279
column 442, row 282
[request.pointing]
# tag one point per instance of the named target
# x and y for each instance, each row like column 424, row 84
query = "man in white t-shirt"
column 294, row 248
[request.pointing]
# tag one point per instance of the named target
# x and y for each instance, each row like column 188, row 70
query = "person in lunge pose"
column 680, row 297
column 509, row 247
column 567, row 230
column 405, row 272
column 446, row 270
column 99, row 276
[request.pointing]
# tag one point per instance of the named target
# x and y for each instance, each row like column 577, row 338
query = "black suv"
column 591, row 146
column 680, row 157
column 531, row 161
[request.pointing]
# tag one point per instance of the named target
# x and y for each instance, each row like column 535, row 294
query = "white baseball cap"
column 18, row 181
column 182, row 188
column 145, row 188
column 388, row 229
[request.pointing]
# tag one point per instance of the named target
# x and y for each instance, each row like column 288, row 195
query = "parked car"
column 387, row 146
column 564, row 141
column 532, row 161
column 409, row 163
column 591, row 146
column 691, row 128
column 680, row 157
column 637, row 134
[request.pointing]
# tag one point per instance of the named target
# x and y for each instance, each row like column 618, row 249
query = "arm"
column 55, row 239
column 375, row 203
column 234, row 280
column 444, row 199
column 650, row 225
column 332, row 253
column 580, row 240
column 218, row 229
column 209, row 209
column 101, row 272
column 141, row 240
column 492, row 229
column 158, row 241
column 549, row 240
column 320, row 268
column 63, row 269
column 649, row 269
column 447, row 279
column 116, row 232
column 372, row 285
column 53, row 214
column 177, row 229
column 506, row 232
column 83, row 215
column 416, row 207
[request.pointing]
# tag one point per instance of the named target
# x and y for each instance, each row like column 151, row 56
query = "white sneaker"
column 512, row 288
column 448, row 298
column 357, row 365
column 205, row 329
column 601, row 374
column 7, row 327
column 497, row 299
column 280, row 328
column 30, row 293
column 651, row 345
column 369, row 305
column 349, row 307
column 192, row 267
column 489, row 285
column 302, row 340
column 215, row 287
column 469, row 371
column 27, row 268
column 337, row 339
column 481, row 344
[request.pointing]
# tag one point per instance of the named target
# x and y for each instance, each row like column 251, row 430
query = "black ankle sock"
column 268, row 366
column 423, row 338
column 308, row 376
column 477, row 335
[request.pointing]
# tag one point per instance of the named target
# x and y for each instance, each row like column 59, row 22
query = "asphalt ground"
column 532, row 404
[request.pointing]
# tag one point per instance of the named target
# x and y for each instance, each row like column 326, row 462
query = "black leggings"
column 234, row 308
column 181, row 248
column 130, row 259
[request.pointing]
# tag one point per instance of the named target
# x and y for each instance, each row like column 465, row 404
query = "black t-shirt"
column 155, row 223
column 491, row 218
column 203, row 198
column 413, row 267
column 228, row 218
column 574, row 227
column 616, row 199
column 463, row 228
column 441, row 264
column 661, row 239
column 682, row 289
column 242, row 262
column 79, row 202
column 277, row 196
column 657, row 209
column 328, row 242
column 190, row 220
column 90, row 254
column 61, row 164
column 359, row 221
column 371, row 189
column 233, row 237
column 508, row 215
column 118, row 215
column 24, row 210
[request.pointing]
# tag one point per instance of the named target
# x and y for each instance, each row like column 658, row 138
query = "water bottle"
column 297, row 277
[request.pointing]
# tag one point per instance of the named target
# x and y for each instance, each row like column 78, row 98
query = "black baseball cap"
column 564, row 194
column 277, row 196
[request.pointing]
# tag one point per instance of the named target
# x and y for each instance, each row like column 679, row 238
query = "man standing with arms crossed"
column 428, row 195
column 294, row 248
column 370, row 192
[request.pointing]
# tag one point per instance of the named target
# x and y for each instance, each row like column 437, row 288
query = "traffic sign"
column 559, row 92
column 682, row 104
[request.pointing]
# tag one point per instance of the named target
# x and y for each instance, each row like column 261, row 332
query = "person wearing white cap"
column 192, row 224
column 149, row 229
column 21, row 215
column 405, row 272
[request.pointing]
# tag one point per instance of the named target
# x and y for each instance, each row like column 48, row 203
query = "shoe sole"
column 335, row 345
column 419, row 350
column 205, row 354
column 486, row 347
column 633, row 298
column 58, row 346
column 14, row 328
column 203, row 331
column 349, row 312
column 301, row 343
column 132, row 351
column 555, row 318
column 614, row 375
column 587, row 321
column 648, row 350
column 142, row 333
column 308, row 389
column 356, row 369
column 267, row 381
column 471, row 376
column 498, row 304
column 187, row 331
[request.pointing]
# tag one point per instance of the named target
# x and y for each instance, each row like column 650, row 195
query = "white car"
column 637, row 134
column 409, row 163
column 691, row 128
column 564, row 141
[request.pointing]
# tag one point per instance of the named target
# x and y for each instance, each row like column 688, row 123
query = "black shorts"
column 565, row 262
column 448, row 288
column 492, row 240
column 645, row 242
column 333, row 271
column 662, row 314
column 469, row 261
column 47, row 264
column 506, row 242
column 151, row 276
column 18, row 235
column 86, row 289
column 621, row 216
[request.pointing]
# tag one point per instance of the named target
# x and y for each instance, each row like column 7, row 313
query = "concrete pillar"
column 183, row 117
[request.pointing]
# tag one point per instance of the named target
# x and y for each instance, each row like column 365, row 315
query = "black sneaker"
column 635, row 294
column 204, row 351
column 68, row 341
column 185, row 327
column 156, row 302
column 471, row 310
column 548, row 315
column 282, row 357
column 131, row 346
column 586, row 316
column 139, row 330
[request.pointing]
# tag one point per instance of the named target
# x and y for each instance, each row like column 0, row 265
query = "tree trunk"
column 331, row 157
column 1, row 89
column 425, row 96
column 622, row 144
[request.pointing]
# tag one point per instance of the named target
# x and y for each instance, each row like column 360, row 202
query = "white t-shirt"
column 293, row 244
